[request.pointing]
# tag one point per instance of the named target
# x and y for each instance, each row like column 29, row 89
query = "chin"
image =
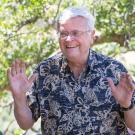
column 71, row 57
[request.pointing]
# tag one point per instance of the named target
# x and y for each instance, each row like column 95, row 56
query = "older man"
column 78, row 91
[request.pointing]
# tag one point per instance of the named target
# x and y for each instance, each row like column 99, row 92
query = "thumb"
column 33, row 78
column 111, row 84
column 9, row 74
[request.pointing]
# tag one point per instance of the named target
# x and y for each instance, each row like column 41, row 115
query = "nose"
column 69, row 38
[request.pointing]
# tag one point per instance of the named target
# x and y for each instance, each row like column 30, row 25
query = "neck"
column 77, row 67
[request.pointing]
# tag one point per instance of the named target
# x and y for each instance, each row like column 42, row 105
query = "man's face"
column 75, row 38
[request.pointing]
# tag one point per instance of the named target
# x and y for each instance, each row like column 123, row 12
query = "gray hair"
column 74, row 12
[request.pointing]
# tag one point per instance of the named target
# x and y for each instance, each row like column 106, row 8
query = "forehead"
column 74, row 22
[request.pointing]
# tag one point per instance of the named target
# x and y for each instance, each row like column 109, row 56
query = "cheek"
column 61, row 44
column 89, row 41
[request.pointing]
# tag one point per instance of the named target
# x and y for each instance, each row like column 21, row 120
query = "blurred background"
column 27, row 32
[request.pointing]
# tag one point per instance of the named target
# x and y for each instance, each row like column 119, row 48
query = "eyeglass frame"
column 73, row 34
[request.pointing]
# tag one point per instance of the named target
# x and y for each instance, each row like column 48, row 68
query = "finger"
column 33, row 78
column 9, row 78
column 126, row 81
column 123, row 76
column 129, row 77
column 13, row 70
column 23, row 67
column 17, row 66
column 130, row 82
column 111, row 84
column 9, row 74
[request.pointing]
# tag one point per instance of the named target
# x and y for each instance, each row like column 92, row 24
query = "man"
column 78, row 91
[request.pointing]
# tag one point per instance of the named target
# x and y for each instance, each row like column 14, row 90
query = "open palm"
column 19, row 82
column 124, row 90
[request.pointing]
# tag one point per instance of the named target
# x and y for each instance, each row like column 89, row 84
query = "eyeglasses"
column 72, row 34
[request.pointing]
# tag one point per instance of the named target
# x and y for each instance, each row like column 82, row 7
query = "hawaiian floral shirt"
column 83, row 106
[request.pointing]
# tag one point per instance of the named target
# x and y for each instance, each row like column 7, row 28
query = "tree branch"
column 7, row 128
column 7, row 105
column 28, row 21
column 60, row 1
column 122, row 39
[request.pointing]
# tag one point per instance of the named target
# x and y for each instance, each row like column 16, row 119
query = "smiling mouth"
column 71, row 46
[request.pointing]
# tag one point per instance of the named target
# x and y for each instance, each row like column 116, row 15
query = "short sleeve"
column 33, row 102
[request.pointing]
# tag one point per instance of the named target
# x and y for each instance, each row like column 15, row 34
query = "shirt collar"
column 92, row 60
column 90, row 63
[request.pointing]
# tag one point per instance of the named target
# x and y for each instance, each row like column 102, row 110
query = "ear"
column 93, row 34
column 97, row 35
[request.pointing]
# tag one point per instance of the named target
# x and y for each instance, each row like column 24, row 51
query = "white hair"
column 74, row 12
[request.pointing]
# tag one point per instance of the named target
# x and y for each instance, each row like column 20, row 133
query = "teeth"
column 68, row 46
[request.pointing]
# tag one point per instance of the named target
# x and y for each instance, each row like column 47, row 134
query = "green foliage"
column 18, row 131
column 115, row 17
column 111, row 50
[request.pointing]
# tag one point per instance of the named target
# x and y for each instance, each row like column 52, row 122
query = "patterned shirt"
column 83, row 106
